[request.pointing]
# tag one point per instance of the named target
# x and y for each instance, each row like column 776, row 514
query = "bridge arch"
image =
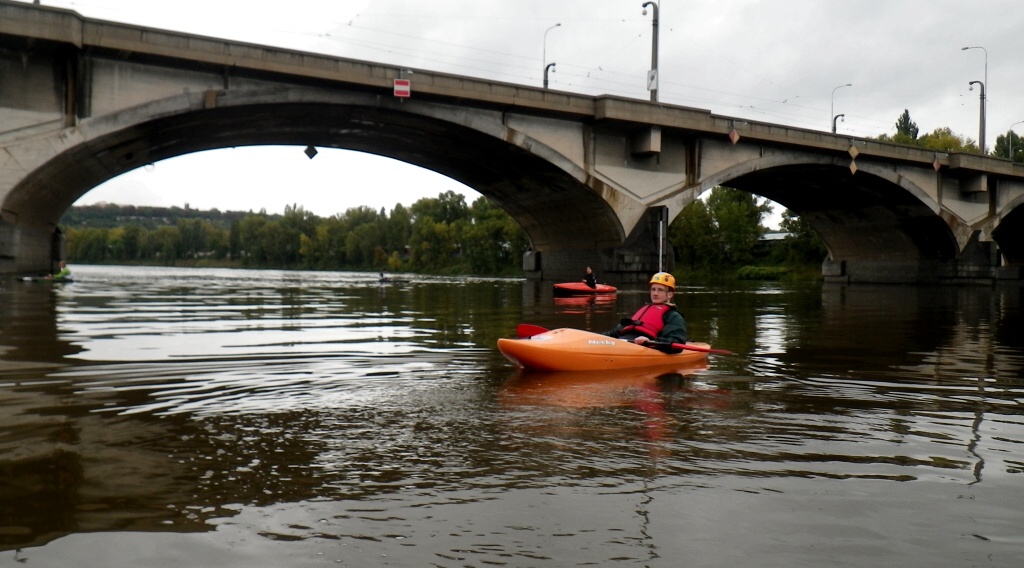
column 872, row 213
column 522, row 175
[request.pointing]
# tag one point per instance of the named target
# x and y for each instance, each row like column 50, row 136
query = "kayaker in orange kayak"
column 590, row 279
column 658, row 320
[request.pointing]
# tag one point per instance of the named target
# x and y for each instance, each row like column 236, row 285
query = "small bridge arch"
column 863, row 210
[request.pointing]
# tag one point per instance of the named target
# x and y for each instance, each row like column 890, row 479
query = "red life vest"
column 649, row 320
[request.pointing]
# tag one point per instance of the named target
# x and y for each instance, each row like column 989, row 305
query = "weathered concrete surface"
column 585, row 176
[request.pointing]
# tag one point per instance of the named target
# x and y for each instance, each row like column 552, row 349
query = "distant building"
column 769, row 241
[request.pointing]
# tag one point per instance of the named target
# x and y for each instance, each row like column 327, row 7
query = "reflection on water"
column 239, row 418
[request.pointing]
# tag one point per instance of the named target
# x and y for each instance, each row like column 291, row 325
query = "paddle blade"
column 525, row 330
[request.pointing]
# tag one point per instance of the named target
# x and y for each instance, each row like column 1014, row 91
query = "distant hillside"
column 110, row 215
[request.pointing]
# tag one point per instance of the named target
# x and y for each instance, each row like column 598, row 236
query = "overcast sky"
column 777, row 61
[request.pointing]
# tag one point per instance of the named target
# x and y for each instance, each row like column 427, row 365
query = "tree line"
column 945, row 140
column 434, row 235
column 441, row 235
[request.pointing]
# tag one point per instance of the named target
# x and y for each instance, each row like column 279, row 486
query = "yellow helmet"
column 664, row 278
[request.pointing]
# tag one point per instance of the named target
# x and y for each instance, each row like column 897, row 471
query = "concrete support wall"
column 32, row 248
column 635, row 261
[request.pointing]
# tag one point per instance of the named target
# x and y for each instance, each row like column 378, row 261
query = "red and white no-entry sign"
column 402, row 88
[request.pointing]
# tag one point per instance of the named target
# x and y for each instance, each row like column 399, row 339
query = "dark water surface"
column 174, row 417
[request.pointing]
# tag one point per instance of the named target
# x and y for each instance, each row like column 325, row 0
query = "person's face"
column 661, row 294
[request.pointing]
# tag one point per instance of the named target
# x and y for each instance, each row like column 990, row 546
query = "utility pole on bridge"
column 652, row 75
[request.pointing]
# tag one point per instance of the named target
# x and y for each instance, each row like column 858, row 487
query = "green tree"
column 361, row 244
column 398, row 229
column 165, row 242
column 320, row 251
column 234, row 241
column 719, row 233
column 217, row 240
column 448, row 207
column 906, row 127
column 131, row 242
column 432, row 246
column 250, row 246
column 945, row 140
column 115, row 244
column 278, row 247
column 492, row 242
column 693, row 237
column 941, row 139
column 1007, row 142
column 192, row 239
column 802, row 246
column 737, row 216
column 437, row 225
column 297, row 220
column 87, row 245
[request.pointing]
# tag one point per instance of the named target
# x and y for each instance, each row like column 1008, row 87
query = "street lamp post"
column 834, row 119
column 1009, row 137
column 984, row 101
column 832, row 112
column 546, row 68
column 652, row 78
column 544, row 57
column 981, row 129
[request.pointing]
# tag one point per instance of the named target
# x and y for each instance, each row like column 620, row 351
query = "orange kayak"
column 567, row 349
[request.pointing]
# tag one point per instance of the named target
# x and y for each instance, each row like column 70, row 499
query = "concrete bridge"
column 590, row 179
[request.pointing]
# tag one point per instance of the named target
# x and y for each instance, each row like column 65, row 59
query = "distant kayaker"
column 590, row 279
column 658, row 320
column 63, row 274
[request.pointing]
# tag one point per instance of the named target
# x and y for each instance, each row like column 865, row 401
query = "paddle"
column 525, row 330
column 692, row 347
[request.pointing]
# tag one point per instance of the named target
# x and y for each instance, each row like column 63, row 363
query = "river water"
column 165, row 417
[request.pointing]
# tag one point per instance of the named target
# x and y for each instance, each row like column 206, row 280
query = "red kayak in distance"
column 575, row 288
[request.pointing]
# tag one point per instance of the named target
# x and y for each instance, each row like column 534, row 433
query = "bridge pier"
column 881, row 271
column 29, row 250
column 634, row 261
column 979, row 263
